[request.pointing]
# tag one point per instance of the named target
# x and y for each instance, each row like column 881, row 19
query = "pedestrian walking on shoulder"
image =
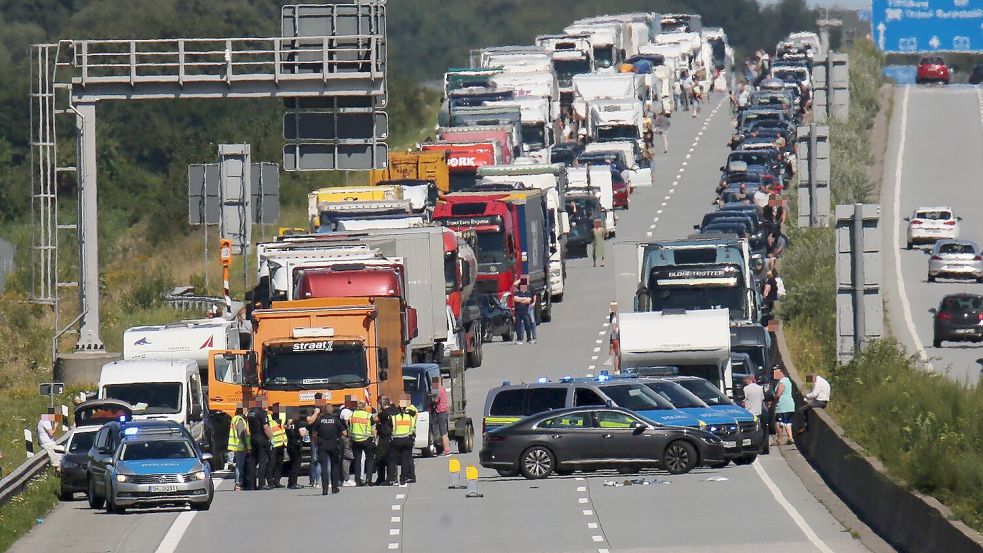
column 361, row 427
column 239, row 446
column 46, row 438
column 261, row 443
column 295, row 432
column 784, row 407
column 818, row 398
column 525, row 327
column 441, row 409
column 754, row 403
column 597, row 246
column 328, row 429
column 384, row 429
column 404, row 435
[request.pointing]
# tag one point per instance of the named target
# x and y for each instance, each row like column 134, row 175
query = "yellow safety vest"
column 360, row 425
column 404, row 424
column 235, row 444
column 279, row 433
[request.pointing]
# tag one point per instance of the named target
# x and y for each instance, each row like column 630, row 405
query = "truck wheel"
column 547, row 313
column 466, row 442
column 557, row 298
column 509, row 334
column 474, row 356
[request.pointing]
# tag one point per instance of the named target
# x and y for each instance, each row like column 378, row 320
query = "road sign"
column 51, row 388
column 928, row 25
column 205, row 202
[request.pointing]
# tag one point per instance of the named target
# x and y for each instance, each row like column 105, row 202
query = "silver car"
column 956, row 259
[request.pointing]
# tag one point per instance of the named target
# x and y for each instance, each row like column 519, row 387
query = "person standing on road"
column 46, row 438
column 239, row 446
column 404, row 435
column 784, row 407
column 754, row 403
column 597, row 246
column 697, row 98
column 260, row 438
column 347, row 453
column 662, row 121
column 384, row 429
column 525, row 327
column 279, row 447
column 328, row 429
column 441, row 409
column 295, row 447
column 361, row 428
column 818, row 398
column 314, row 470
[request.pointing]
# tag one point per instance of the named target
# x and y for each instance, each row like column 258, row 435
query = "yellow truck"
column 426, row 166
column 348, row 194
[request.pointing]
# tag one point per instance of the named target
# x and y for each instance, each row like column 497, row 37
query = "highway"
column 934, row 157
column 756, row 508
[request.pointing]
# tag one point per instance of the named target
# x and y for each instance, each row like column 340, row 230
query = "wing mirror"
column 639, row 429
column 933, row 310
column 908, row 219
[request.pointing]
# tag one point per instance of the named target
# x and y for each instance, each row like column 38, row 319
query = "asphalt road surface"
column 758, row 507
column 935, row 157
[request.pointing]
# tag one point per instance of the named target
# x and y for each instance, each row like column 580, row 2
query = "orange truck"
column 340, row 347
column 427, row 166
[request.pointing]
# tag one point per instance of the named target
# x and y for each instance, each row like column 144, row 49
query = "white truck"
column 572, row 55
column 612, row 120
column 605, row 87
column 354, row 216
column 640, row 175
column 551, row 179
column 191, row 339
column 606, row 41
column 596, row 181
column 695, row 341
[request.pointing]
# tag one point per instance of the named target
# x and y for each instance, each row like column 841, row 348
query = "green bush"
column 149, row 293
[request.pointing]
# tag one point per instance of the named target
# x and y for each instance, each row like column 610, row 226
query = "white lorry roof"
column 146, row 370
column 183, row 340
column 621, row 110
column 655, row 336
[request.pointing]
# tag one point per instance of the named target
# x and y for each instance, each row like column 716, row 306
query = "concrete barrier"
column 81, row 368
column 909, row 521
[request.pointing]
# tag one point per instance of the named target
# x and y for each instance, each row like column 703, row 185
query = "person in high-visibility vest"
column 279, row 443
column 361, row 429
column 404, row 435
column 239, row 445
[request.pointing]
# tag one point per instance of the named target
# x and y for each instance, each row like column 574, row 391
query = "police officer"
column 329, row 429
column 360, row 428
column 260, row 436
column 279, row 446
column 384, row 429
column 239, row 445
column 404, row 434
column 295, row 445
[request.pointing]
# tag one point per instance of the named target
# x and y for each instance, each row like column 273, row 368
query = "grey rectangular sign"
column 355, row 23
column 318, row 125
column 205, row 203
column 304, row 156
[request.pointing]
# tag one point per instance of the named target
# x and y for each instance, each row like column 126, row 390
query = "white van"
column 158, row 389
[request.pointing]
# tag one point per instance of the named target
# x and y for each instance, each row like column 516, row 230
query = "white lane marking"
column 649, row 234
column 597, row 350
column 652, row 226
column 656, row 220
column 397, row 507
column 393, row 546
column 684, row 164
column 896, row 233
column 581, row 488
column 588, row 513
column 394, row 531
column 394, row 519
column 792, row 512
column 592, row 525
column 598, row 341
column 700, row 133
column 591, row 367
column 581, row 478
column 582, row 500
column 597, row 538
column 675, row 183
column 606, row 324
column 660, row 211
column 689, row 155
column 681, row 169
column 691, row 149
column 602, row 550
column 667, row 198
column 601, row 332
column 174, row 534
column 663, row 205
column 401, row 496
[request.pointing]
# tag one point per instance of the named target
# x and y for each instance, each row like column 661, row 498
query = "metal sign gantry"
column 859, row 309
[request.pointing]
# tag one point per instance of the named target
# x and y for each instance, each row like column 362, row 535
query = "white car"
column 928, row 224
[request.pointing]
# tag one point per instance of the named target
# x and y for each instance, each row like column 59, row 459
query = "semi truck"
column 507, row 137
column 551, row 179
column 604, row 87
column 423, row 166
column 572, row 55
column 696, row 341
column 596, row 181
column 464, row 159
column 640, row 171
column 511, row 241
column 606, row 42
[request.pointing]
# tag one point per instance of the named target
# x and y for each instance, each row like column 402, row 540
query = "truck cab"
column 420, row 382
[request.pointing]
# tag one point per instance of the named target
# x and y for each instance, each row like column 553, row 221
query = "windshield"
column 463, row 180
column 414, row 387
column 534, row 135
column 676, row 395
column 163, row 449
column 604, row 57
column 751, row 158
column 756, row 353
column 566, row 69
column 710, row 373
column 636, row 397
column 698, row 297
column 325, row 365
column 617, row 133
column 450, row 272
column 491, row 247
column 563, row 156
column 81, row 442
column 934, row 215
column 148, row 398
column 788, row 75
column 708, row 393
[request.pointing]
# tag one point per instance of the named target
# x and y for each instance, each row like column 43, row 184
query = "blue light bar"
column 131, row 431
column 566, row 378
column 506, row 383
column 542, row 380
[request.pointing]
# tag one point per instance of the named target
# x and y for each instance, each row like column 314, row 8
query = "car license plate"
column 730, row 444
column 965, row 331
column 163, row 489
column 747, row 441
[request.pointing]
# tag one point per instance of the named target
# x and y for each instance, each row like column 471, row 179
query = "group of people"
column 776, row 407
column 688, row 92
column 353, row 446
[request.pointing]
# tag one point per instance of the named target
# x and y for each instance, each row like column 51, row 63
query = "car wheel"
column 745, row 460
column 936, row 342
column 557, row 298
column 537, row 462
column 65, row 495
column 931, row 278
column 910, row 244
column 979, row 279
column 465, row 444
column 111, row 506
column 679, row 457
column 507, row 473
column 95, row 502
column 201, row 506
column 509, row 334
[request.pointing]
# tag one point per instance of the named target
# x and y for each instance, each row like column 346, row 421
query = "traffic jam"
column 378, row 309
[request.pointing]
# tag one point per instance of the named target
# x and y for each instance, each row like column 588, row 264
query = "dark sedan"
column 496, row 318
column 89, row 418
column 959, row 318
column 578, row 438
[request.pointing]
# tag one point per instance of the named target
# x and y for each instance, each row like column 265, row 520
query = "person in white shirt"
column 46, row 438
column 818, row 398
column 754, row 402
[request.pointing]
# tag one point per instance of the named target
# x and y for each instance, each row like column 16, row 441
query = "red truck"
column 511, row 242
column 464, row 158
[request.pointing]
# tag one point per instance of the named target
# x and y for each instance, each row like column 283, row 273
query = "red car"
column 932, row 69
column 621, row 191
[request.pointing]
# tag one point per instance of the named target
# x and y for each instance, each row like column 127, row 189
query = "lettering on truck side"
column 314, row 346
column 462, row 162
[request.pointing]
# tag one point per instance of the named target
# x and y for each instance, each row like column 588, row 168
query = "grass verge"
column 926, row 429
column 23, row 512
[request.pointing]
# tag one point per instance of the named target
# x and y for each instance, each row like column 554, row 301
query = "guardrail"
column 17, row 480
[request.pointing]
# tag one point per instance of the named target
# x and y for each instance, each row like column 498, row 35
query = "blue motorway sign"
column 927, row 25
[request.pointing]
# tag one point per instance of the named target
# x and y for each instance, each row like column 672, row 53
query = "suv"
column 932, row 69
column 147, row 463
column 959, row 318
column 928, row 224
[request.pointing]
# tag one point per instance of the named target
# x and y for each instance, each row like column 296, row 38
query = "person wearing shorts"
column 785, row 406
column 441, row 407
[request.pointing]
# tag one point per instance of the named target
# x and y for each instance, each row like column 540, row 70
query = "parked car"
column 959, row 318
column 565, row 440
column 496, row 318
column 976, row 77
column 957, row 259
column 928, row 224
column 932, row 69
column 90, row 416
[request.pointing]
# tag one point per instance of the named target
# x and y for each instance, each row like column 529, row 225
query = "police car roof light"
column 566, row 378
column 131, row 431
column 506, row 383
column 542, row 380
column 604, row 372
